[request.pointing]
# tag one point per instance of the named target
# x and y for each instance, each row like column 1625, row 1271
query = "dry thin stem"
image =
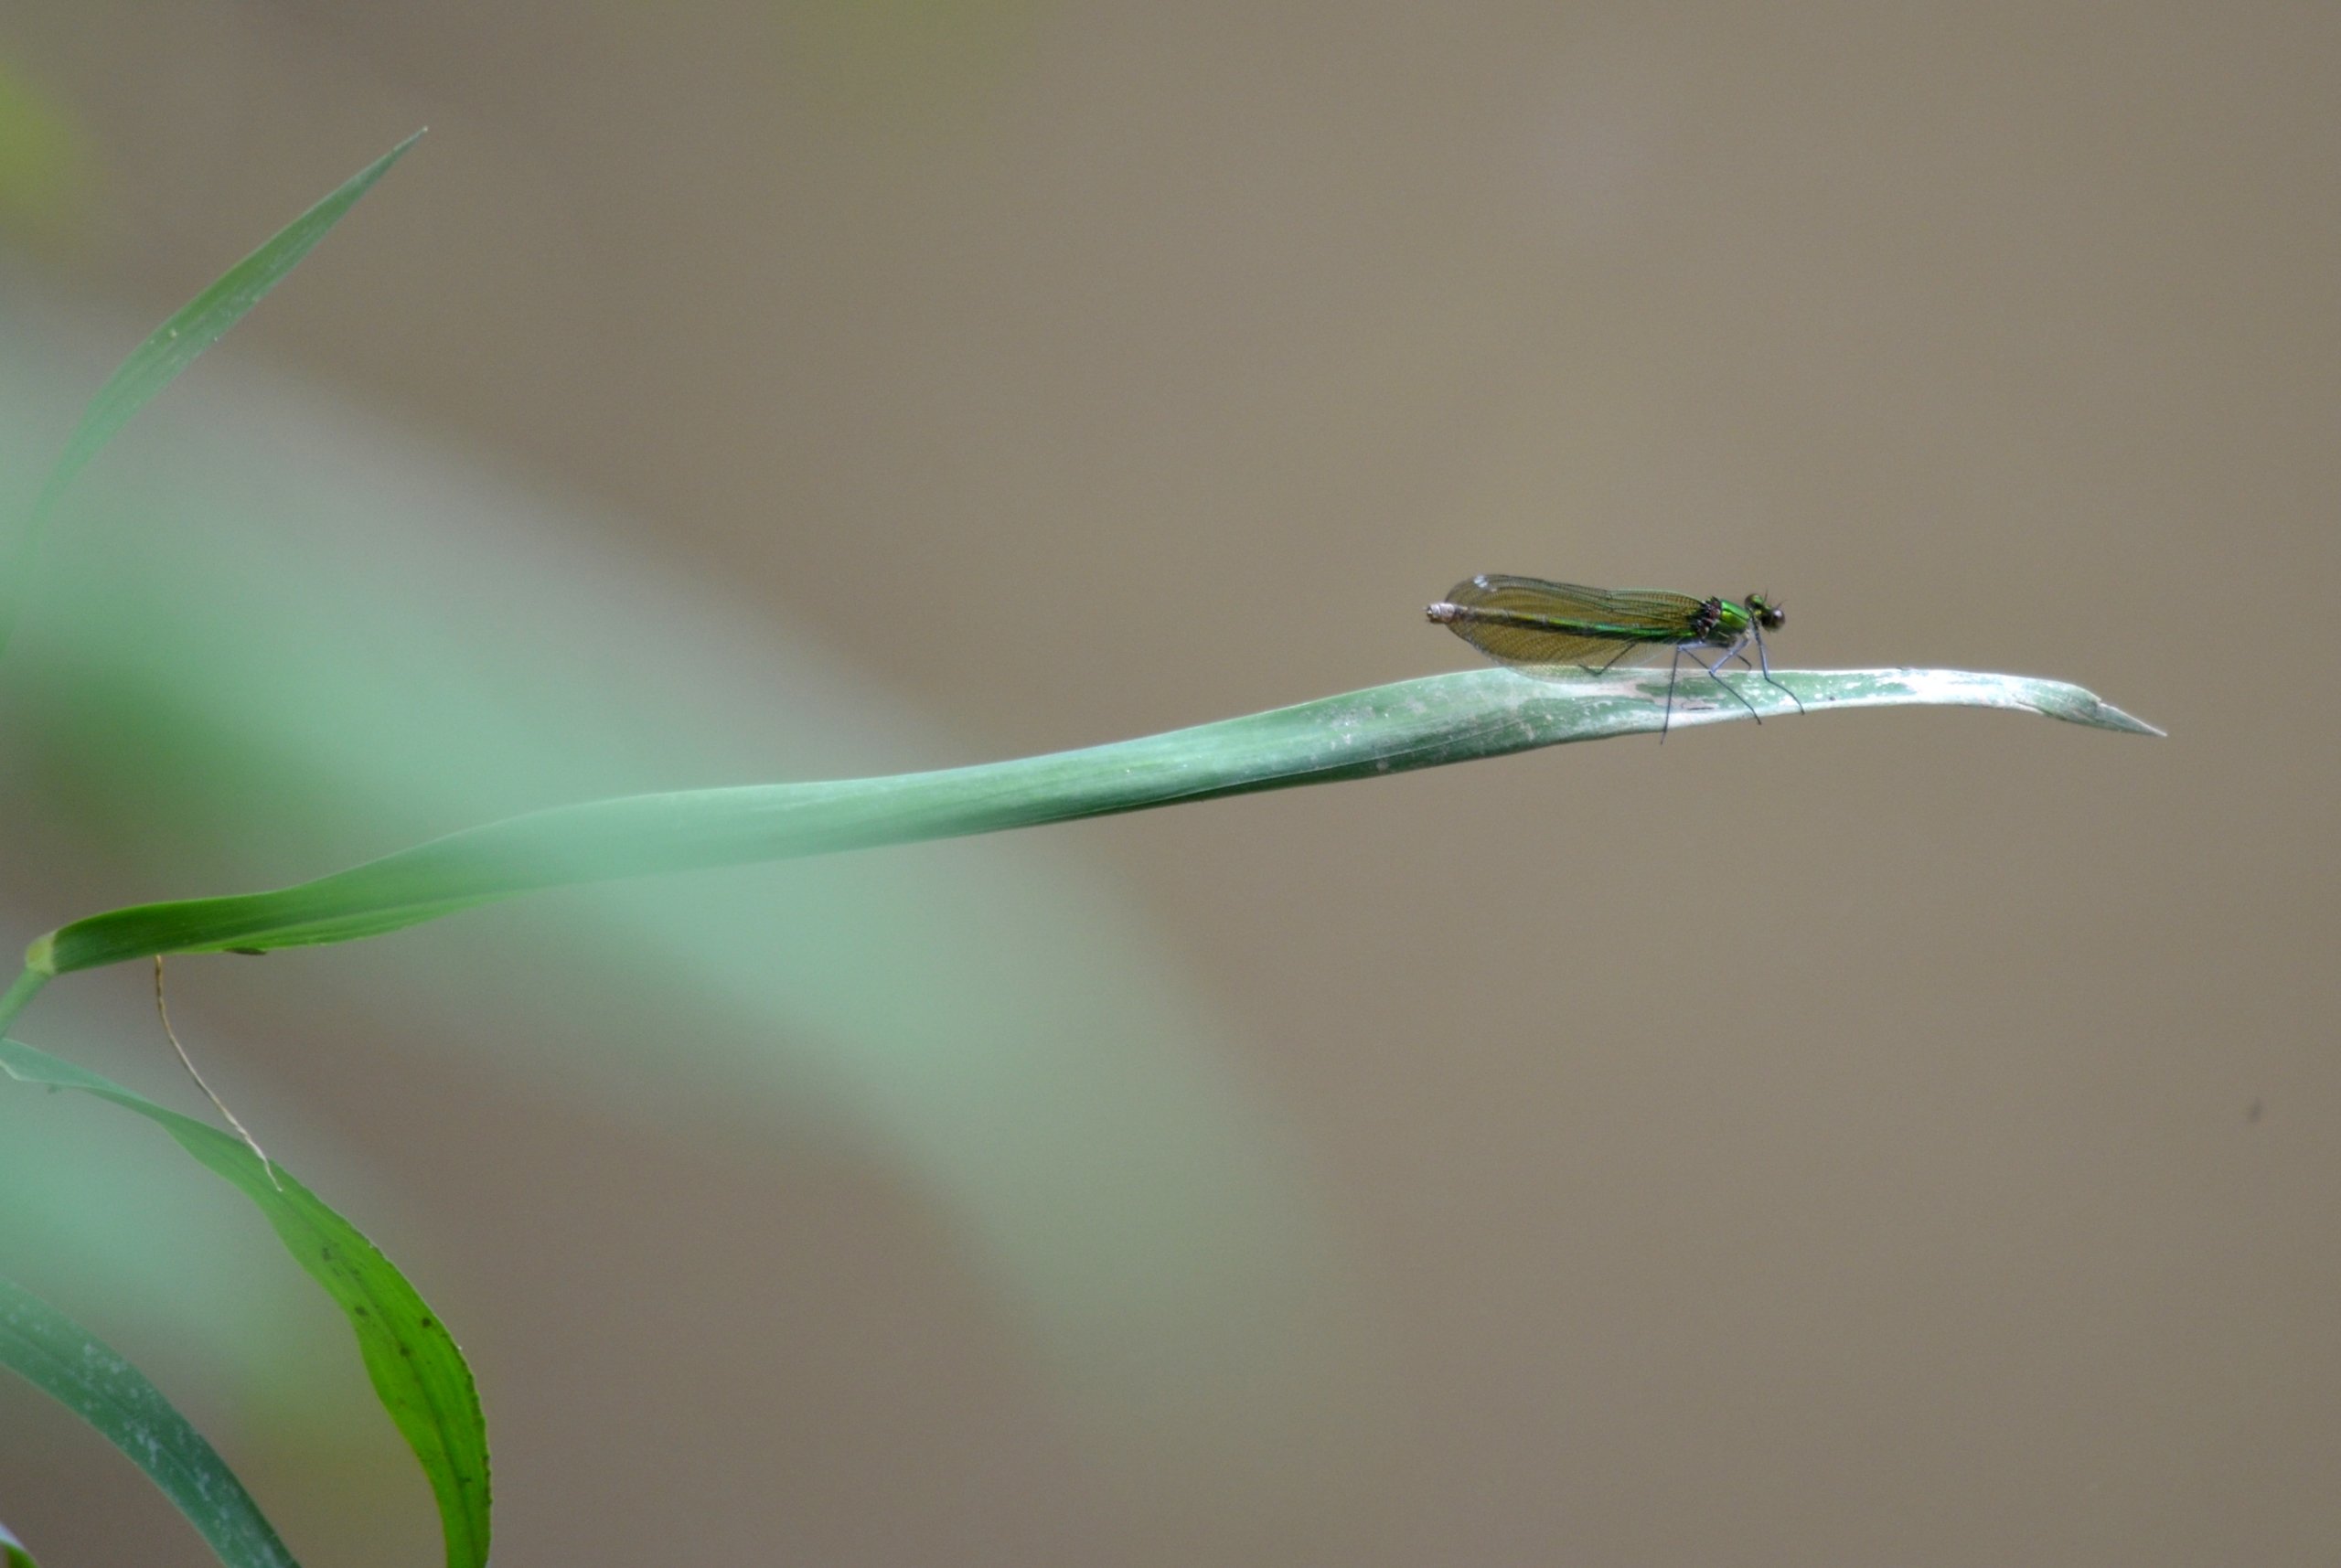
column 188, row 1061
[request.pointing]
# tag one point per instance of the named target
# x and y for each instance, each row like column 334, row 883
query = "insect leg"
column 1672, row 670
column 1606, row 665
column 1765, row 659
column 1716, row 669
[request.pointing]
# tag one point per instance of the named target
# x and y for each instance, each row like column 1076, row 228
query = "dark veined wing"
column 1648, row 609
column 1529, row 621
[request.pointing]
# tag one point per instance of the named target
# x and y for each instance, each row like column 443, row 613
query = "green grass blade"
column 418, row 1373
column 83, row 1374
column 1388, row 729
column 173, row 346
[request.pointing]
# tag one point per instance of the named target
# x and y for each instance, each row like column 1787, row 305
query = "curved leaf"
column 87, row 1377
column 171, row 348
column 418, row 1372
column 1386, row 729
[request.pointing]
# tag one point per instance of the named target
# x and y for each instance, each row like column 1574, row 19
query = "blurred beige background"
column 1899, row 1137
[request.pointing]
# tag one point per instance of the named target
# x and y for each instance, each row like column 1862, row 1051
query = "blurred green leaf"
column 909, row 63
column 44, row 156
column 87, row 1377
column 418, row 1372
column 173, row 346
column 202, row 699
column 1413, row 724
column 94, row 1198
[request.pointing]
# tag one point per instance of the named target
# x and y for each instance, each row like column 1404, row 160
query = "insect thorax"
column 1720, row 623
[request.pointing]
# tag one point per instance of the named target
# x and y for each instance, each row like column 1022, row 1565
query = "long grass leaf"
column 418, row 1373
column 90, row 1379
column 172, row 347
column 1389, row 729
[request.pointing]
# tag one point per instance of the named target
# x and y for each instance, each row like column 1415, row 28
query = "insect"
column 1543, row 626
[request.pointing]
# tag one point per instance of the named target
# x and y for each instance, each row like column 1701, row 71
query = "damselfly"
column 1546, row 627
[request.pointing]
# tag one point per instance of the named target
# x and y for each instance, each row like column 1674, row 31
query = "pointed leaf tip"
column 169, row 350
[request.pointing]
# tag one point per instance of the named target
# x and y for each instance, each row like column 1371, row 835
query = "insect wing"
column 1529, row 621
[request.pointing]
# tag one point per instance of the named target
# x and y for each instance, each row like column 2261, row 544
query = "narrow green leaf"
column 153, row 364
column 418, row 1373
column 1384, row 730
column 87, row 1377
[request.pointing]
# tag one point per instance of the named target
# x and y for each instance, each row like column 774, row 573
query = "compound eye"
column 1769, row 617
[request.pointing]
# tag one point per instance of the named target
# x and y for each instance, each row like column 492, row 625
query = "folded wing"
column 1529, row 621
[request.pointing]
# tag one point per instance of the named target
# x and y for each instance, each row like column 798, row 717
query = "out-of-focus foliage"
column 418, row 1372
column 900, row 56
column 98, row 1212
column 266, row 641
column 167, row 351
column 85, row 1374
column 45, row 161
